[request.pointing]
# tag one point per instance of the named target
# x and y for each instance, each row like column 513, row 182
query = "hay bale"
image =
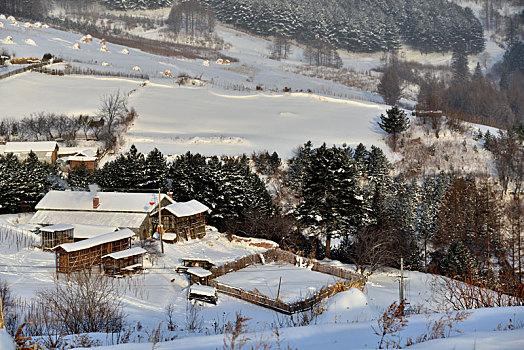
column 76, row 46
column 38, row 25
column 89, row 37
column 45, row 26
column 125, row 52
column 30, row 42
column 104, row 48
column 206, row 63
column 28, row 25
column 102, row 42
column 1, row 25
column 2, row 16
column 136, row 68
column 227, row 62
column 105, row 64
column 14, row 24
column 8, row 40
column 220, row 61
column 11, row 18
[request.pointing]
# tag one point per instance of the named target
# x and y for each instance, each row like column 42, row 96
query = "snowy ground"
column 297, row 283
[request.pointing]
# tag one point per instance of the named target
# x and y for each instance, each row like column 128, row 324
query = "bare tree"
column 390, row 86
column 113, row 110
column 83, row 304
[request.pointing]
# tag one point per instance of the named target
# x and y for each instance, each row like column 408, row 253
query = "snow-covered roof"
column 199, row 271
column 92, row 242
column 199, row 259
column 109, row 201
column 90, row 231
column 181, row 209
column 132, row 267
column 57, row 227
column 82, row 159
column 77, row 151
column 126, row 253
column 202, row 290
column 17, row 147
column 113, row 219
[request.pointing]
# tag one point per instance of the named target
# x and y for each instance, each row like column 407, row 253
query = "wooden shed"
column 198, row 262
column 54, row 235
column 87, row 253
column 184, row 220
column 124, row 262
column 198, row 275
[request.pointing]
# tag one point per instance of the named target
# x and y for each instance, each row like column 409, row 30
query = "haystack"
column 104, row 48
column 206, row 63
column 167, row 73
column 76, row 46
column 30, row 42
column 105, row 64
column 125, row 51
column 136, row 68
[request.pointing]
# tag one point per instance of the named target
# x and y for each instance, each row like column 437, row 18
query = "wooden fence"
column 22, row 70
column 275, row 255
column 88, row 71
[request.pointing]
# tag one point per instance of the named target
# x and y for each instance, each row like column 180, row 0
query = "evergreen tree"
column 80, row 178
column 155, row 171
column 361, row 159
column 395, row 122
column 390, row 86
column 459, row 65
column 331, row 201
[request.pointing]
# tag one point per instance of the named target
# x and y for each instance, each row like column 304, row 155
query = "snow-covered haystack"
column 6, row 342
column 136, row 68
column 2, row 16
column 125, row 52
column 197, row 82
column 11, row 18
column 14, row 23
column 104, row 48
column 8, row 40
column 87, row 38
column 223, row 62
column 38, row 25
column 347, row 307
column 102, row 41
column 28, row 25
column 105, row 64
column 76, row 46
column 1, row 25
column 206, row 63
column 30, row 42
column 168, row 73
column 45, row 26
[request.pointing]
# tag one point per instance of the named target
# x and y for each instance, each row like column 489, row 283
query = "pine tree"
column 390, row 86
column 80, row 178
column 155, row 170
column 459, row 65
column 395, row 122
column 331, row 199
column 361, row 159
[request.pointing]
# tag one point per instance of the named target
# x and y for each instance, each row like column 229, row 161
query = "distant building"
column 46, row 151
column 114, row 209
column 72, row 157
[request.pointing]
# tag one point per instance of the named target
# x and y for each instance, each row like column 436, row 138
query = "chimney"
column 170, row 194
column 96, row 202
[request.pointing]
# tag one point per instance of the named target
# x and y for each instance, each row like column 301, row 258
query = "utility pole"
column 401, row 286
column 279, row 283
column 160, row 226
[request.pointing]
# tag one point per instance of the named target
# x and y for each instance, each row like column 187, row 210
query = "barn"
column 88, row 253
column 114, row 209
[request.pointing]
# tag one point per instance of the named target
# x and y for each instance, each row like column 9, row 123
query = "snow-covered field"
column 296, row 283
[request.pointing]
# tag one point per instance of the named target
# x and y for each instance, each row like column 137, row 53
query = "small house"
column 46, row 151
column 198, row 275
column 124, row 262
column 54, row 235
column 88, row 253
column 183, row 220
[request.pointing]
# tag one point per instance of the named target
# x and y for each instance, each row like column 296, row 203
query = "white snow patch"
column 30, row 42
